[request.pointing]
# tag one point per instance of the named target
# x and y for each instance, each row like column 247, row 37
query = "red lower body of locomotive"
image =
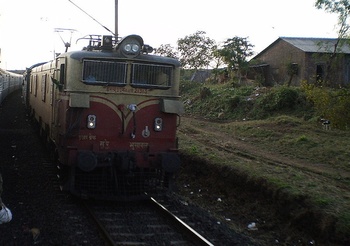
column 111, row 150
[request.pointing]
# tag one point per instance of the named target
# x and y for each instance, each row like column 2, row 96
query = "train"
column 109, row 114
column 9, row 82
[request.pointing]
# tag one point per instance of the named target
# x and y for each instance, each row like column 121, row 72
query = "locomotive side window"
column 106, row 72
column 43, row 87
column 151, row 75
column 31, row 84
column 35, row 85
column 62, row 74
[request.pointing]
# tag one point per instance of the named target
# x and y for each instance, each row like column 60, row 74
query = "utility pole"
column 116, row 21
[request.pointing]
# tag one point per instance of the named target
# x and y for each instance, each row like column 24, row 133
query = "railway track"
column 142, row 223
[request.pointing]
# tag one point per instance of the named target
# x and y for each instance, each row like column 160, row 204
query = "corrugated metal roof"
column 319, row 45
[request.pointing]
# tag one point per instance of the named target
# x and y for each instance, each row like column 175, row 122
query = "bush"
column 187, row 87
column 246, row 102
column 205, row 92
column 331, row 104
column 234, row 102
column 280, row 98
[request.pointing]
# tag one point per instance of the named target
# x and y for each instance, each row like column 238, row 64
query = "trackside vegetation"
column 281, row 122
column 229, row 102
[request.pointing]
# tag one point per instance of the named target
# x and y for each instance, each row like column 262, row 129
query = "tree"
column 217, row 64
column 166, row 50
column 342, row 9
column 235, row 52
column 195, row 50
column 339, row 7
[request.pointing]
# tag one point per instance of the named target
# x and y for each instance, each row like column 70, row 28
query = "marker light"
column 158, row 124
column 91, row 121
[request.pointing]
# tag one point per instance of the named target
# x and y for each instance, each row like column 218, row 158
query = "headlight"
column 127, row 47
column 135, row 48
column 130, row 46
column 158, row 124
column 91, row 121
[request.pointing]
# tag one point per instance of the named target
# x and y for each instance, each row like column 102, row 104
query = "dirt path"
column 205, row 131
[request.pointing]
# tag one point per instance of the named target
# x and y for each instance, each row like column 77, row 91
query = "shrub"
column 279, row 98
column 234, row 102
column 332, row 104
column 244, row 102
column 187, row 87
column 205, row 92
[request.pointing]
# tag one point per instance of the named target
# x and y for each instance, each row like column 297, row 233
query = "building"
column 314, row 60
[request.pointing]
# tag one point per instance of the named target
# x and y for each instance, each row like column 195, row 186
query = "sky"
column 28, row 29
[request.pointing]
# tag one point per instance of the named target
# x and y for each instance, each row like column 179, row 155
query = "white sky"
column 27, row 26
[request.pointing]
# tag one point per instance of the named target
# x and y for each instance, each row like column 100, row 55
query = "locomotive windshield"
column 115, row 73
column 151, row 75
column 109, row 72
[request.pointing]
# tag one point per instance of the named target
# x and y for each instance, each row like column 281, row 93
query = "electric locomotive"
column 110, row 113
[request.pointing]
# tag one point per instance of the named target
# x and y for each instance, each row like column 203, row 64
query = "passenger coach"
column 9, row 82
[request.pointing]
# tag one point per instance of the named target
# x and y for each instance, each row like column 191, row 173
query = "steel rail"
column 194, row 236
column 106, row 236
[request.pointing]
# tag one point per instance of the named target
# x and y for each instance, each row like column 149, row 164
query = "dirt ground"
column 246, row 202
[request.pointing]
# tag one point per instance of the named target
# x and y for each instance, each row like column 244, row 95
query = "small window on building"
column 293, row 69
column 319, row 73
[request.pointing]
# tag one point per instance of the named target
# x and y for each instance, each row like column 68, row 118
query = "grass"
column 243, row 122
column 313, row 172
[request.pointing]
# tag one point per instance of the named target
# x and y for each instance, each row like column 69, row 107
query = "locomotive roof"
column 80, row 55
